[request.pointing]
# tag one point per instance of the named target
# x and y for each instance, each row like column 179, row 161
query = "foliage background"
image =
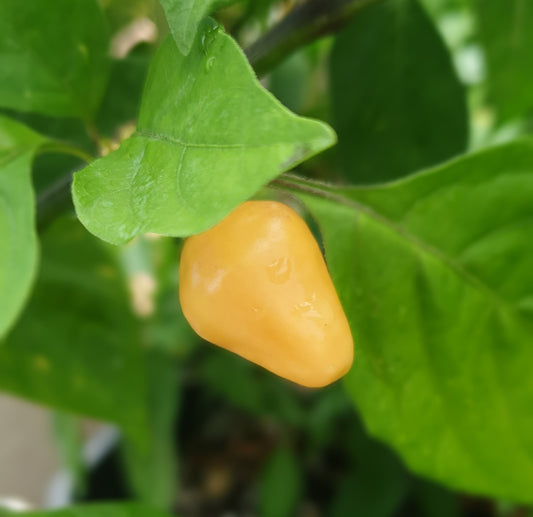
column 424, row 209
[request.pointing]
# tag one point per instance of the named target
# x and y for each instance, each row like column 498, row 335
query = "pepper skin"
column 257, row 285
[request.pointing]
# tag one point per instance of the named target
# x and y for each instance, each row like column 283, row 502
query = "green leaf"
column 280, row 485
column 18, row 240
column 53, row 56
column 76, row 346
column 184, row 17
column 435, row 273
column 331, row 404
column 232, row 378
column 435, row 501
column 378, row 485
column 66, row 130
column 153, row 470
column 96, row 510
column 209, row 136
column 122, row 98
column 250, row 388
column 504, row 28
column 397, row 102
column 290, row 80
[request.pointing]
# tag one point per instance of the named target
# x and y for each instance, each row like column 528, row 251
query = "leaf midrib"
column 161, row 137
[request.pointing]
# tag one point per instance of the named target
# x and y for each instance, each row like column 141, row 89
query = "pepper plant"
column 401, row 129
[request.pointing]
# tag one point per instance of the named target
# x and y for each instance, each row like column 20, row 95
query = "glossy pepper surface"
column 257, row 284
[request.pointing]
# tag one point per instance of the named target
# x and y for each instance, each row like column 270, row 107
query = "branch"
column 56, row 198
column 307, row 22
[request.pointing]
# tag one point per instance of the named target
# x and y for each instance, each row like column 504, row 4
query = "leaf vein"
column 167, row 138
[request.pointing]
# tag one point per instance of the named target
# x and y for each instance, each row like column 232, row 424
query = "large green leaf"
column 76, row 346
column 18, row 241
column 184, row 17
column 397, row 102
column 53, row 56
column 209, row 136
column 505, row 30
column 96, row 510
column 436, row 276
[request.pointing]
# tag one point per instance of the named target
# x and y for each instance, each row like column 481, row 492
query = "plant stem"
column 56, row 198
column 65, row 148
column 304, row 24
column 94, row 134
column 53, row 201
column 296, row 183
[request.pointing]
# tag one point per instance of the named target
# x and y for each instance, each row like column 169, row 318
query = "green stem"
column 56, row 199
column 94, row 134
column 65, row 148
column 292, row 182
column 53, row 201
column 307, row 22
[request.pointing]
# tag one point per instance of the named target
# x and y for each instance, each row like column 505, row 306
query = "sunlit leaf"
column 184, row 17
column 209, row 136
